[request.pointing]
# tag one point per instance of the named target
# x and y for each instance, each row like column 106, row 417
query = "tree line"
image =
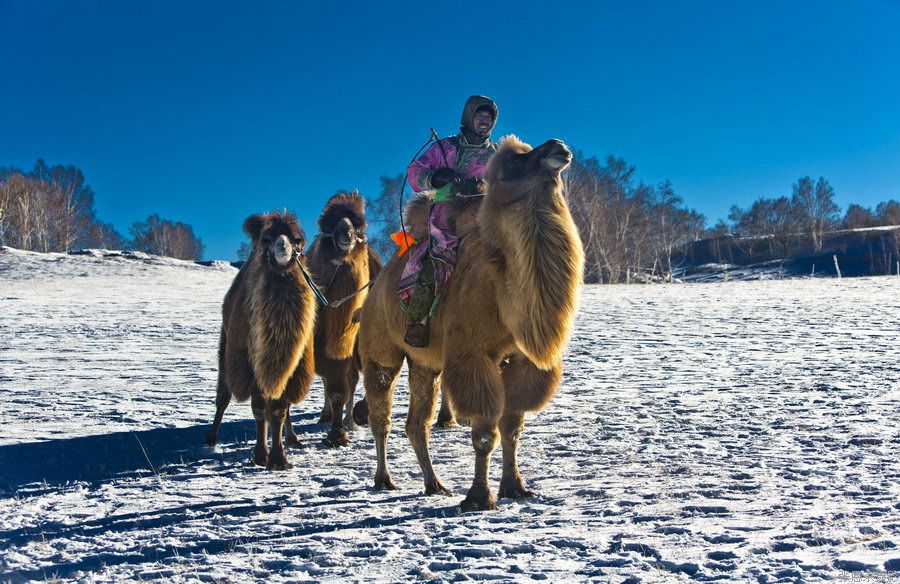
column 51, row 209
column 631, row 230
column 770, row 228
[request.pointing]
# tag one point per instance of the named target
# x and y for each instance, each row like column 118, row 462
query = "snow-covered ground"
column 739, row 431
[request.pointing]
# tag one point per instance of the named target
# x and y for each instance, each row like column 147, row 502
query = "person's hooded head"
column 478, row 118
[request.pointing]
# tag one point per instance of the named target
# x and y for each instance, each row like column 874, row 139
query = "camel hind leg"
column 295, row 391
column 445, row 418
column 291, row 440
column 352, row 381
column 527, row 389
column 422, row 395
column 223, row 396
column 379, row 382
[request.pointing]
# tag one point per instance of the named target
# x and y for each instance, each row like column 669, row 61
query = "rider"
column 456, row 164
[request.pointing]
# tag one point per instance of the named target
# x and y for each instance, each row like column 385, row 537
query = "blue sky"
column 207, row 112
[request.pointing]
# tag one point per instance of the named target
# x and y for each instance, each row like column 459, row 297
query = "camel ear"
column 254, row 224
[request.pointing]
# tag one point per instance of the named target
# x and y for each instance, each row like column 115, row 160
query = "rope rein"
column 318, row 292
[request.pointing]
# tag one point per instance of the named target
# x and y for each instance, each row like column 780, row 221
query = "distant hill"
column 872, row 251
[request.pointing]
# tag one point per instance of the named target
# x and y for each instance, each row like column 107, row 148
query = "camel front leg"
column 476, row 388
column 261, row 451
column 422, row 395
column 276, row 411
column 527, row 388
column 512, row 423
column 484, row 441
column 336, row 394
column 379, row 382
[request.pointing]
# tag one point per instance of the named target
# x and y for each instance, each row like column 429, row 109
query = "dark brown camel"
column 266, row 341
column 341, row 263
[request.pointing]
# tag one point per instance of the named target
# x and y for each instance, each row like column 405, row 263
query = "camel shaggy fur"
column 341, row 263
column 266, row 341
column 500, row 331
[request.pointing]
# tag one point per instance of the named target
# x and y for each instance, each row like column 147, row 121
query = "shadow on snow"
column 97, row 459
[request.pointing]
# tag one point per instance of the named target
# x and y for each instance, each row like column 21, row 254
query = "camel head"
column 518, row 171
column 277, row 239
column 343, row 223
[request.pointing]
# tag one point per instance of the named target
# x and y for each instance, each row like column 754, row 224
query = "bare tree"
column 816, row 205
column 168, row 238
column 858, row 217
column 675, row 226
column 50, row 208
column 243, row 251
column 888, row 213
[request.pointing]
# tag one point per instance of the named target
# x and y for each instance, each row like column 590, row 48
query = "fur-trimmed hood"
column 472, row 105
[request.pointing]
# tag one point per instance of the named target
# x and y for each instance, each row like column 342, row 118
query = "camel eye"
column 515, row 162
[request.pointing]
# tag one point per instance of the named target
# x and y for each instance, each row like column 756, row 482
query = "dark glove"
column 442, row 176
column 470, row 187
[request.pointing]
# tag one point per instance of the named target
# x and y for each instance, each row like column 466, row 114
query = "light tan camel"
column 499, row 334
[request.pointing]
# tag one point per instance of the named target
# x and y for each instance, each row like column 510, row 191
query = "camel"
column 266, row 340
column 500, row 330
column 341, row 263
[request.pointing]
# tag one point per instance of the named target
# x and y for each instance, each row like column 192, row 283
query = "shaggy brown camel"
column 341, row 263
column 499, row 333
column 266, row 341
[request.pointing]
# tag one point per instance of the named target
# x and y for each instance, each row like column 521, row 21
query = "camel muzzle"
column 555, row 156
column 281, row 251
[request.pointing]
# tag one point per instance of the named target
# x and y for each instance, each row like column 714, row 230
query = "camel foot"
column 513, row 489
column 434, row 487
column 336, row 438
column 479, row 498
column 278, row 461
column 260, row 457
column 350, row 424
column 384, row 482
column 293, row 441
column 212, row 438
column 361, row 413
column 443, row 422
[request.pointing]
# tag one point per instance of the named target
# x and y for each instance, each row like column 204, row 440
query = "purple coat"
column 469, row 161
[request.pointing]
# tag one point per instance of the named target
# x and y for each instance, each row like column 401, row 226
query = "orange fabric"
column 403, row 240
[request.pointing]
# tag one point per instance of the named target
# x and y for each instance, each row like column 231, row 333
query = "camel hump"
column 461, row 215
column 416, row 216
